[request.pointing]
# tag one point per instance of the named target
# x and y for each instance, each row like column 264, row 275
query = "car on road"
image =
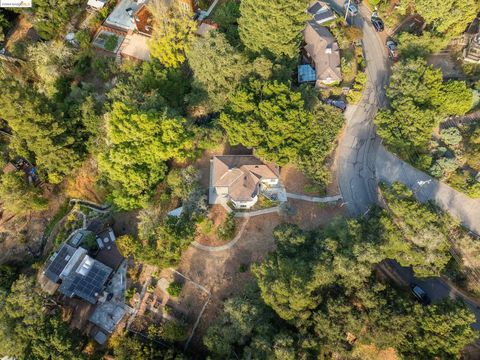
column 339, row 104
column 392, row 50
column 377, row 23
column 350, row 8
column 420, row 294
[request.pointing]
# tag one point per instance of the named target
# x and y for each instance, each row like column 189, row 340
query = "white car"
column 351, row 8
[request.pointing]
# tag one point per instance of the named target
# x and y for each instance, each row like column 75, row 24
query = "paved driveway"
column 391, row 169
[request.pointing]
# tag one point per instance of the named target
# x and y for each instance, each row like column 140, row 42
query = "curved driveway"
column 357, row 149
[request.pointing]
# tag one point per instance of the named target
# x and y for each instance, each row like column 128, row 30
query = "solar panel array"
column 87, row 286
column 58, row 264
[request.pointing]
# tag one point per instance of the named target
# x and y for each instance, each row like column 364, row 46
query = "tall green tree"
column 218, row 68
column 272, row 27
column 272, row 118
column 442, row 331
column 138, row 146
column 27, row 331
column 38, row 133
column 450, row 17
column 51, row 16
column 173, row 32
column 418, row 101
column 417, row 234
column 19, row 197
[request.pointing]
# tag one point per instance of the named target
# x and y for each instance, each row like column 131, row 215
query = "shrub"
column 444, row 166
column 111, row 43
column 206, row 226
column 355, row 95
column 451, row 136
column 174, row 289
column 90, row 241
column 173, row 331
column 226, row 231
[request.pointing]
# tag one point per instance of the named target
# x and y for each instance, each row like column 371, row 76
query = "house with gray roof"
column 239, row 179
column 78, row 274
column 321, row 51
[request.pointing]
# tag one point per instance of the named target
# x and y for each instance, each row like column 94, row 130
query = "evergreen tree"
column 272, row 27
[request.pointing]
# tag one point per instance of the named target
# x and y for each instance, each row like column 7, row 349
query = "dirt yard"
column 225, row 273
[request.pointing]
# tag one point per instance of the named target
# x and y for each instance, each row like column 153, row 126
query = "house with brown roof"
column 321, row 51
column 240, row 179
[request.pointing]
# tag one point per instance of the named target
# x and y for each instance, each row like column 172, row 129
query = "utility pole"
column 347, row 10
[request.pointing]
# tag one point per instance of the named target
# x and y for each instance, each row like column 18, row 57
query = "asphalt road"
column 437, row 288
column 358, row 147
column 362, row 161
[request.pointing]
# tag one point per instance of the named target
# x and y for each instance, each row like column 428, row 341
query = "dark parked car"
column 337, row 103
column 377, row 23
column 350, row 8
column 420, row 294
column 392, row 50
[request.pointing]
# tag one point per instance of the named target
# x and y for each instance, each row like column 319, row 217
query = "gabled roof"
column 323, row 50
column 314, row 8
column 240, row 174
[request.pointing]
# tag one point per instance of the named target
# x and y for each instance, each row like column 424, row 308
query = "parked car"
column 340, row 104
column 350, row 8
column 420, row 294
column 392, row 50
column 377, row 23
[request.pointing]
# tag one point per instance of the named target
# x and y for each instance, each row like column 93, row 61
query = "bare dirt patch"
column 82, row 185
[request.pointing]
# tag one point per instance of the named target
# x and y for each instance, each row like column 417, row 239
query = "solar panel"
column 59, row 262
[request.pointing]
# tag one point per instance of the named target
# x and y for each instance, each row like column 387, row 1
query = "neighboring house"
column 321, row 51
column 321, row 12
column 131, row 24
column 78, row 274
column 240, row 179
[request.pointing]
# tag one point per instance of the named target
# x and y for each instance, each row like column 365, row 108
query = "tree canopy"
column 419, row 99
column 173, row 32
column 28, row 332
column 218, row 68
column 272, row 27
column 450, row 17
column 272, row 118
column 139, row 144
column 19, row 197
column 39, row 134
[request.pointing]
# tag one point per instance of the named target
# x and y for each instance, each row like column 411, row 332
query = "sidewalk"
column 326, row 199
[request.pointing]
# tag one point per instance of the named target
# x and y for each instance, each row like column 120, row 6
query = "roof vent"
column 328, row 50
